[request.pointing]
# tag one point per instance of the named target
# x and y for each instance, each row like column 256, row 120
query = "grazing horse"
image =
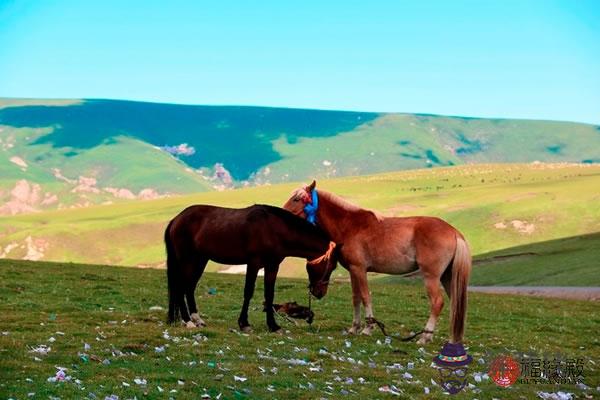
column 260, row 236
column 368, row 241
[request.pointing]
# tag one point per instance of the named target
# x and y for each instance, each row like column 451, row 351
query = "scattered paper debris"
column 59, row 377
column 389, row 389
column 41, row 349
column 555, row 396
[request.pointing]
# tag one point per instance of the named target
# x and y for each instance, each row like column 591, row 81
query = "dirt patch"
column 7, row 143
column 561, row 292
column 19, row 162
column 58, row 175
column 49, row 199
column 157, row 265
column 238, row 269
column 523, row 227
column 120, row 193
column 23, row 198
column 35, row 248
column 86, row 185
column 9, row 247
column 148, row 194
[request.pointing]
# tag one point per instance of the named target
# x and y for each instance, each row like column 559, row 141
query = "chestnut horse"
column 368, row 241
column 260, row 236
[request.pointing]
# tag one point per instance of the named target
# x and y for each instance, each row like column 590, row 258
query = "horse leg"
column 360, row 291
column 436, row 299
column 187, row 272
column 270, row 277
column 356, row 300
column 251, row 273
column 189, row 294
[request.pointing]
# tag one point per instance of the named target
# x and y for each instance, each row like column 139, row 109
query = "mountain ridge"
column 95, row 151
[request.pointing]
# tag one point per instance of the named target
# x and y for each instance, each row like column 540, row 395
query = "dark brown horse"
column 260, row 236
column 368, row 241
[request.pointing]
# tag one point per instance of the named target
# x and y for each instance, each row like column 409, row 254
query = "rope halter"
column 325, row 256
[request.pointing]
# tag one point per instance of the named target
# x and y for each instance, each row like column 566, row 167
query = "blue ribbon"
column 310, row 209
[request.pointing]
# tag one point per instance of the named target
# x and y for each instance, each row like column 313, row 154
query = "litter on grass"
column 41, row 349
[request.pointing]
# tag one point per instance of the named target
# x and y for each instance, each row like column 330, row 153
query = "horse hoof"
column 275, row 329
column 189, row 325
column 425, row 339
column 368, row 330
column 246, row 329
column 197, row 320
column 353, row 330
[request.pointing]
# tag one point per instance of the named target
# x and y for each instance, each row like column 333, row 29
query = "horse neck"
column 305, row 244
column 336, row 219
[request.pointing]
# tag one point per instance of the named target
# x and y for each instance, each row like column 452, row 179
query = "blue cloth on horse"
column 310, row 209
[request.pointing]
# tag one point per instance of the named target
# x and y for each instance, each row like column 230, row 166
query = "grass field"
column 109, row 309
column 495, row 206
column 571, row 261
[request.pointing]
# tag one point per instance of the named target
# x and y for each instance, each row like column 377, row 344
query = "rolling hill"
column 496, row 206
column 76, row 153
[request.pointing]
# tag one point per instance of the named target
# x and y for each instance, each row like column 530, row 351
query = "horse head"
column 299, row 199
column 320, row 269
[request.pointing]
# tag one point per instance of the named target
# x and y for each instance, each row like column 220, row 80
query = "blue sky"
column 521, row 59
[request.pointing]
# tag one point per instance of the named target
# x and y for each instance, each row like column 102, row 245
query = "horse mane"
column 346, row 205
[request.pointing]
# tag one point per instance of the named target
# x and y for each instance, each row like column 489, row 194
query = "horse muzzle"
column 319, row 290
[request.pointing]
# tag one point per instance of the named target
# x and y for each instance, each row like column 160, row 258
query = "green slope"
column 570, row 261
column 122, row 144
column 495, row 206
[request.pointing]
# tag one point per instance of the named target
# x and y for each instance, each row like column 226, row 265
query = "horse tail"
column 461, row 270
column 172, row 277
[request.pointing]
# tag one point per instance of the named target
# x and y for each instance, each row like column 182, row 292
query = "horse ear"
column 310, row 187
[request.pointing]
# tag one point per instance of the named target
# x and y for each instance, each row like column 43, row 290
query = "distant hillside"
column 73, row 153
column 496, row 207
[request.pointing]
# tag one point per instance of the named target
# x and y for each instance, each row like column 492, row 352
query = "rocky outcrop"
column 23, row 198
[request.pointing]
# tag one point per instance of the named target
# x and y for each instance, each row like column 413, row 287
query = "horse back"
column 224, row 235
column 396, row 244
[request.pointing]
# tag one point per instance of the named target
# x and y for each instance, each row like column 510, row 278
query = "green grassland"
column 570, row 261
column 119, row 143
column 109, row 309
column 550, row 201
